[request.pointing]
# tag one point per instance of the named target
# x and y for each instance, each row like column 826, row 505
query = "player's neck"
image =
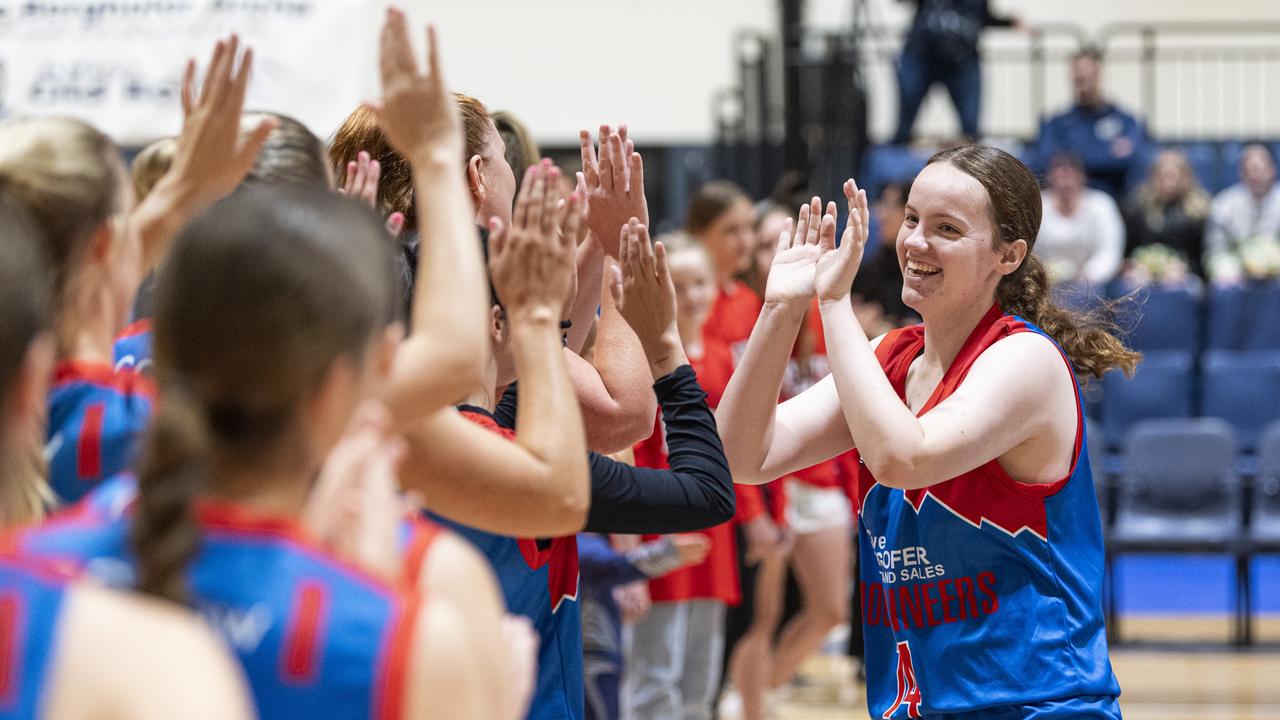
column 486, row 397
column 275, row 484
column 85, row 331
column 946, row 331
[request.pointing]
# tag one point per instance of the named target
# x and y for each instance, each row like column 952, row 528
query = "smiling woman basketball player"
column 981, row 543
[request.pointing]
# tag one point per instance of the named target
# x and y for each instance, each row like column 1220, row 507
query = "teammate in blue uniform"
column 244, row 431
column 539, row 573
column 54, row 631
column 981, row 545
column 69, row 178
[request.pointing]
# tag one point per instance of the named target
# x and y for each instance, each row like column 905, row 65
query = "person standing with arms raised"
column 981, row 553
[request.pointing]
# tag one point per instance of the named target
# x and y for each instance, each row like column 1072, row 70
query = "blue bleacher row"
column 1215, row 163
column 1214, row 353
column 1179, row 487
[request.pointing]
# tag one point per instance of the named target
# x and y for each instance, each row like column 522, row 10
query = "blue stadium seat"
column 1242, row 388
column 1264, row 526
column 1179, row 492
column 1264, row 522
column 1096, row 447
column 1244, row 318
column 1162, row 319
column 1161, row 388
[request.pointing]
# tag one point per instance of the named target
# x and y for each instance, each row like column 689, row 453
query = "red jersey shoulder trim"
column 237, row 519
column 397, row 654
column 124, row 381
column 1012, row 513
column 422, row 536
column 135, row 328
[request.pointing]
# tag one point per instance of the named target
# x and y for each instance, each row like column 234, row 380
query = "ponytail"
column 165, row 535
column 1088, row 337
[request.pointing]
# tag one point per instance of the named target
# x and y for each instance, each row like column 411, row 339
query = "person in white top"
column 1082, row 233
column 1247, row 209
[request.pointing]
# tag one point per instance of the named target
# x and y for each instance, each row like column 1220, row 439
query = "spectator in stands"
column 942, row 47
column 1082, row 234
column 771, row 219
column 1164, row 222
column 877, row 290
column 721, row 217
column 1107, row 139
column 1242, row 213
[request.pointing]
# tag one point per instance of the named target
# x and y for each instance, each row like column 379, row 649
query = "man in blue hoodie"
column 1109, row 140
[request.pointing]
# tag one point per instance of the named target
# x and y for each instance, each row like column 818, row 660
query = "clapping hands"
column 614, row 185
column 808, row 262
column 531, row 263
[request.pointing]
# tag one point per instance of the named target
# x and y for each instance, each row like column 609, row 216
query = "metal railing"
column 1211, row 80
column 1199, row 81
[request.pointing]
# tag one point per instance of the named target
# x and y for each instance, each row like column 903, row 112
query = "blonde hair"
column 522, row 149
column 66, row 175
column 151, row 164
column 1194, row 200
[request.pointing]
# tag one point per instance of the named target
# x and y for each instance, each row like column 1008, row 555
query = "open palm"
column 836, row 267
column 791, row 275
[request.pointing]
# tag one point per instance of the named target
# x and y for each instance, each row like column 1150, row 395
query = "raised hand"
column 836, row 267
column 614, row 181
column 416, row 111
column 532, row 261
column 790, row 278
column 644, row 292
column 363, row 176
column 212, row 155
column 354, row 508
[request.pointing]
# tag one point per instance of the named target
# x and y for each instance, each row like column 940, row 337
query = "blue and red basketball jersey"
column 316, row 637
column 539, row 580
column 981, row 595
column 31, row 598
column 133, row 348
column 96, row 418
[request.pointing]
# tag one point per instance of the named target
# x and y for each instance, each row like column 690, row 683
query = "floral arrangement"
column 1257, row 258
column 1156, row 263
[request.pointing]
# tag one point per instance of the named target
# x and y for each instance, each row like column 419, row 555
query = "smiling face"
column 945, row 245
column 695, row 287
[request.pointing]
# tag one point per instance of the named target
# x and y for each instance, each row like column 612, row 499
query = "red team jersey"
column 733, row 315
column 981, row 595
column 716, row 578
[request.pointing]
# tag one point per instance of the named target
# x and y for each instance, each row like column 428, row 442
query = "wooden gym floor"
column 1175, row 668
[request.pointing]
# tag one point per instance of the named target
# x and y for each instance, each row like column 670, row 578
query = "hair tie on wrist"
column 566, row 324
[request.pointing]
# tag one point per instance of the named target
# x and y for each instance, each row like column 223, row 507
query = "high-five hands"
column 212, row 155
column 807, row 261
column 363, row 176
column 416, row 111
column 532, row 261
column 645, row 295
column 614, row 185
column 837, row 266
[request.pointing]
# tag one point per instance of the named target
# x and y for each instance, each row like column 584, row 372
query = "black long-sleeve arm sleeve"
column 695, row 493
